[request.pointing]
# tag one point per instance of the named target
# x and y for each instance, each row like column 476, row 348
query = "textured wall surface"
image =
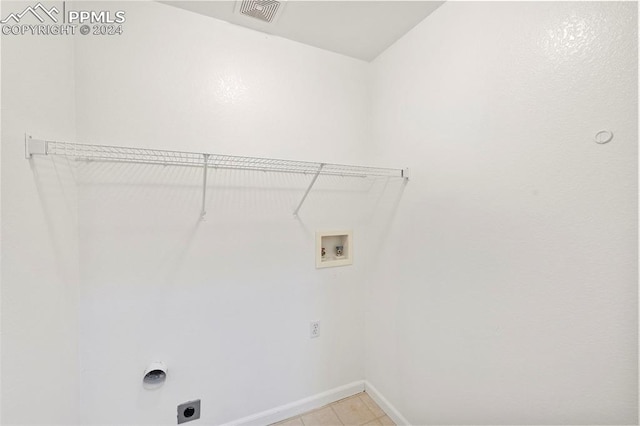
column 510, row 275
column 226, row 302
column 39, row 234
column 498, row 287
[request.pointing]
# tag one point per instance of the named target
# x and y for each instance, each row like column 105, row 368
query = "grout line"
column 336, row 413
column 367, row 407
column 331, row 405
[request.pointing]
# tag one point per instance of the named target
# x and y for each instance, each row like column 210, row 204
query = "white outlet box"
column 314, row 329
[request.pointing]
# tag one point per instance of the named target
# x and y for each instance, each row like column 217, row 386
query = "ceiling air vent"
column 264, row 10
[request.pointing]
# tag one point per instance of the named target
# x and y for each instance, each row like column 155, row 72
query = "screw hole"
column 189, row 411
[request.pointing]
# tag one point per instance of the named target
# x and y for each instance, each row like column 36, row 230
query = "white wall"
column 39, row 234
column 226, row 303
column 510, row 293
column 505, row 291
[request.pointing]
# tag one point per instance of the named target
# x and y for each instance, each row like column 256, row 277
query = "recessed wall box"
column 189, row 411
column 334, row 248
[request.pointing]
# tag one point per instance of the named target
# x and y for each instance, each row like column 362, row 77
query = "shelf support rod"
column 203, row 212
column 304, row 197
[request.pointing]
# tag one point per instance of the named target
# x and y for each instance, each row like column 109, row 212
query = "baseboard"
column 293, row 409
column 386, row 406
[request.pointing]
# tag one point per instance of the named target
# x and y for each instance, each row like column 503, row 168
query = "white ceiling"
column 360, row 29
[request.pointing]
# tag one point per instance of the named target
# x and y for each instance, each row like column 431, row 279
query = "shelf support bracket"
column 304, row 197
column 203, row 211
column 34, row 146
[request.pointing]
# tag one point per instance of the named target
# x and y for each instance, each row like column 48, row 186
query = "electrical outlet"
column 189, row 411
column 314, row 329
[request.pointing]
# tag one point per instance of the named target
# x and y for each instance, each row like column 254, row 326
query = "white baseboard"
column 293, row 409
column 386, row 406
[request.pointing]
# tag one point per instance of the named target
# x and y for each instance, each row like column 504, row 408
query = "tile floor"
column 358, row 409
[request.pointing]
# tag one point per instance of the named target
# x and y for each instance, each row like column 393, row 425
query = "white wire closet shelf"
column 105, row 153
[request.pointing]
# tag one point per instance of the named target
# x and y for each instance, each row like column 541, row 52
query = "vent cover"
column 264, row 10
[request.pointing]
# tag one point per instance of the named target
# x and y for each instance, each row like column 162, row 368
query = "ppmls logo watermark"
column 42, row 20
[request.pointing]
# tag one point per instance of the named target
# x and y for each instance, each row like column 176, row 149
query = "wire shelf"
column 85, row 152
column 105, row 153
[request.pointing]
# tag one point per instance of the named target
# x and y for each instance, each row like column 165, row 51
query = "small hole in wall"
column 189, row 411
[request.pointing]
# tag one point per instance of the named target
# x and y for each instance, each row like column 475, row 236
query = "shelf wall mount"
column 106, row 153
column 34, row 147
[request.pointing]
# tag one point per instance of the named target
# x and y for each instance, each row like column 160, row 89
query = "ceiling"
column 360, row 29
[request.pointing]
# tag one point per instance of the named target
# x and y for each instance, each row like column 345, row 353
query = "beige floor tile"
column 290, row 422
column 347, row 398
column 376, row 422
column 352, row 411
column 322, row 417
column 386, row 421
column 371, row 404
